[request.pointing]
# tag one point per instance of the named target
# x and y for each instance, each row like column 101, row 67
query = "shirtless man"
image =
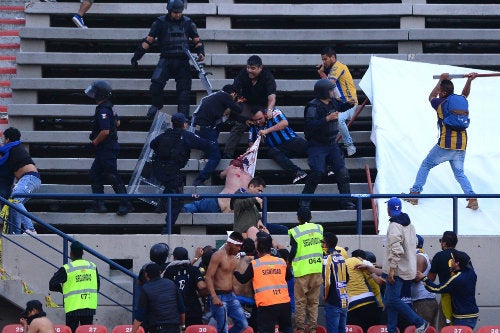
column 219, row 279
column 235, row 177
column 244, row 291
column 19, row 162
column 34, row 319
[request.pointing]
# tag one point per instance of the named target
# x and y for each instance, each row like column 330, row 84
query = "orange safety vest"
column 269, row 281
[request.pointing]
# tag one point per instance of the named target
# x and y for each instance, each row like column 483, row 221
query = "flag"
column 249, row 159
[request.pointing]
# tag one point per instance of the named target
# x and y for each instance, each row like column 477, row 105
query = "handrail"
column 265, row 196
column 65, row 251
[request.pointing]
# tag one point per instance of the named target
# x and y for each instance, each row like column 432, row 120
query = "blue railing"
column 67, row 239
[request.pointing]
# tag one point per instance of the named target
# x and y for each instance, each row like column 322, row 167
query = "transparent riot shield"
column 143, row 181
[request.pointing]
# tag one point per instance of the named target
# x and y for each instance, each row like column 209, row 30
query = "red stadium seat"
column 201, row 329
column 411, row 329
column 489, row 329
column 353, row 329
column 91, row 329
column 59, row 328
column 13, row 328
column 456, row 329
column 126, row 329
column 320, row 329
column 249, row 329
column 378, row 329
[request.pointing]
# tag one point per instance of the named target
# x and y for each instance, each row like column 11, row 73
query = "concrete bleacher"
column 58, row 61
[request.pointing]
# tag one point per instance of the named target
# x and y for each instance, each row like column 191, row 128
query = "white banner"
column 249, row 158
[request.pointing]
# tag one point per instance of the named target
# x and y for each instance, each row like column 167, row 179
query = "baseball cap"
column 420, row 242
column 179, row 118
column 395, row 206
column 33, row 304
column 180, row 253
column 462, row 257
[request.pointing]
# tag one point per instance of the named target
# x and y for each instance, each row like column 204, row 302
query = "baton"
column 457, row 76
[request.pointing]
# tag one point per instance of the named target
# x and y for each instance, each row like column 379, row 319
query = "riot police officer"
column 172, row 149
column 104, row 140
column 321, row 129
column 172, row 32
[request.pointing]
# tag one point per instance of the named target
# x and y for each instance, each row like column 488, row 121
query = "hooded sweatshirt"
column 400, row 247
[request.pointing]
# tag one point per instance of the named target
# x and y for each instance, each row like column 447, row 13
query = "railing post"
column 264, row 211
column 455, row 215
column 65, row 251
column 169, row 215
column 359, row 222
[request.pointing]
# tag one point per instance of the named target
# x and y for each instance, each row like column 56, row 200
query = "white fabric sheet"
column 404, row 130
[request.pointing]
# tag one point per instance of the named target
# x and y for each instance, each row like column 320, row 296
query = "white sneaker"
column 30, row 232
column 423, row 328
column 351, row 149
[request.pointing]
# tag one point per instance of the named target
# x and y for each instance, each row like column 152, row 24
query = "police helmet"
column 322, row 88
column 175, row 6
column 159, row 253
column 99, row 90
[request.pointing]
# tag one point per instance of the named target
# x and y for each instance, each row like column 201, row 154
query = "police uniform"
column 171, row 153
column 307, row 264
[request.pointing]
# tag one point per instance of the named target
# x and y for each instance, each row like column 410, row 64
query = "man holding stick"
column 451, row 144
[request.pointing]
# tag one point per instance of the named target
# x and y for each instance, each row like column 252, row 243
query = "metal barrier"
column 65, row 257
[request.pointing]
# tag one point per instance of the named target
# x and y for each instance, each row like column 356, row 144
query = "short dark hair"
column 331, row 240
column 447, row 86
column 450, row 238
column 328, row 51
column 254, row 60
column 359, row 253
column 248, row 246
column 77, row 249
column 12, row 134
column 304, row 214
column 153, row 270
column 257, row 181
column 235, row 235
column 229, row 88
column 264, row 242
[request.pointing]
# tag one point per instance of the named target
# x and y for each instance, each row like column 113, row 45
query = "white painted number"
column 128, row 329
column 202, row 329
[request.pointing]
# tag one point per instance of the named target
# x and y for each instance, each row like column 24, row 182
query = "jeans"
column 436, row 156
column 27, row 184
column 471, row 322
column 207, row 205
column 281, row 154
column 231, row 308
column 344, row 118
column 394, row 305
column 336, row 318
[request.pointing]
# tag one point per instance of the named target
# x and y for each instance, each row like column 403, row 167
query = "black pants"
column 74, row 321
column 269, row 316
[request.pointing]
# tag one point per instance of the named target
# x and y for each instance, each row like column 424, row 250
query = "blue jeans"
column 471, row 322
column 394, row 305
column 207, row 205
column 344, row 118
column 231, row 308
column 336, row 318
column 436, row 156
column 27, row 184
column 213, row 153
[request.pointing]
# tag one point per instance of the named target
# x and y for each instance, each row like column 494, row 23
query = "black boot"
column 97, row 207
column 124, row 208
column 344, row 185
column 161, row 207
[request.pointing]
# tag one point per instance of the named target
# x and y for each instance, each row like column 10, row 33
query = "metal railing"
column 66, row 240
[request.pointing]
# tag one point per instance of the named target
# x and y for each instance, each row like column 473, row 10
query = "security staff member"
column 78, row 281
column 172, row 32
column 269, row 275
column 321, row 129
column 306, row 257
column 160, row 302
column 171, row 153
column 104, row 140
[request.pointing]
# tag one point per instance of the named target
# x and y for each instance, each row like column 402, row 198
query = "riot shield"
column 143, row 181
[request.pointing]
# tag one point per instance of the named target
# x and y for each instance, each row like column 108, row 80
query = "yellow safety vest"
column 269, row 281
column 309, row 256
column 80, row 288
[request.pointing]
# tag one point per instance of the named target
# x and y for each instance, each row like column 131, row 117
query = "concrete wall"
column 36, row 273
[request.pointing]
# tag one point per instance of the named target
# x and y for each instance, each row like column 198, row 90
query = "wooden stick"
column 457, row 76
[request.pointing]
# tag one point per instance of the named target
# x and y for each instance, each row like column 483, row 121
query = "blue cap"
column 395, row 206
column 179, row 118
column 420, row 242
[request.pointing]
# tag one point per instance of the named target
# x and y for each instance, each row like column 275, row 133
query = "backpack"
column 456, row 112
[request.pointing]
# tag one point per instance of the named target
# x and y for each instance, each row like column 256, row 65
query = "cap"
column 33, row 304
column 395, row 206
column 304, row 214
column 179, row 118
column 462, row 257
column 180, row 253
column 420, row 242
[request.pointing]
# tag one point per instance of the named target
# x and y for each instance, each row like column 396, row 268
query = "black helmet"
column 159, row 253
column 99, row 90
column 322, row 88
column 175, row 6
